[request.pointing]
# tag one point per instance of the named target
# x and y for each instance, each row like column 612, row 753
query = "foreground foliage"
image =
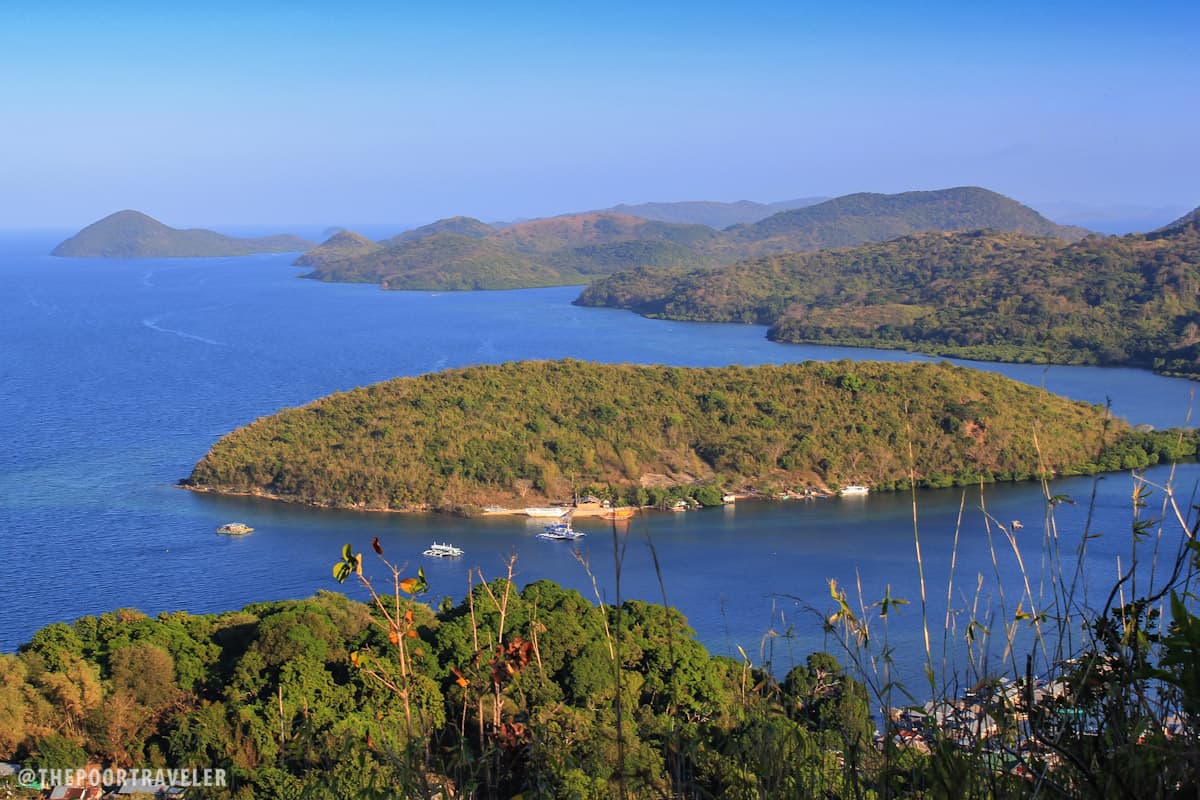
column 538, row 693
column 519, row 433
column 507, row 691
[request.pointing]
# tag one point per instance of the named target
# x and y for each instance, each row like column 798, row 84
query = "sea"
column 116, row 376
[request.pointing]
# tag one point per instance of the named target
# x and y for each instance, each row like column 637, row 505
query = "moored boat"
column 625, row 512
column 547, row 511
column 439, row 550
column 854, row 489
column 560, row 531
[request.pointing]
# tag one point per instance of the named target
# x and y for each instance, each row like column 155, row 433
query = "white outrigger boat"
column 547, row 511
column 561, row 531
column 854, row 489
column 444, row 551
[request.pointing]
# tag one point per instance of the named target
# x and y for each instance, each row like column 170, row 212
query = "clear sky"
column 220, row 113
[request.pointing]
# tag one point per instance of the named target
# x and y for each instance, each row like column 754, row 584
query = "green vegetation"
column 506, row 691
column 712, row 214
column 338, row 247
column 131, row 234
column 516, row 433
column 445, row 261
column 464, row 253
column 538, row 693
column 460, row 226
column 1131, row 300
column 865, row 217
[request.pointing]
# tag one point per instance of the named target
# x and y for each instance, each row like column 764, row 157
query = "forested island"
column 132, row 234
column 519, row 434
column 462, row 253
column 1131, row 300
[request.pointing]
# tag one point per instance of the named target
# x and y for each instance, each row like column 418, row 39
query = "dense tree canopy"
column 1132, row 300
column 515, row 432
column 516, row 691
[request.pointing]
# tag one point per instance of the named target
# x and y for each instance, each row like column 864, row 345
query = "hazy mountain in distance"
column 132, row 234
column 855, row 219
column 711, row 213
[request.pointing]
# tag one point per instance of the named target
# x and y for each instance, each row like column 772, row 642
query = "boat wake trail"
column 152, row 324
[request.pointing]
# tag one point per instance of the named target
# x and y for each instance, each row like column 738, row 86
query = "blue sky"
column 304, row 112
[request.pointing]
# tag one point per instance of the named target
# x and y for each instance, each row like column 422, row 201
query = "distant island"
column 523, row 434
column 712, row 214
column 132, row 234
column 1130, row 300
column 461, row 253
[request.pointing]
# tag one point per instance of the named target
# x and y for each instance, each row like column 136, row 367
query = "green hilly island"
column 132, row 234
column 464, row 253
column 521, row 433
column 1131, row 300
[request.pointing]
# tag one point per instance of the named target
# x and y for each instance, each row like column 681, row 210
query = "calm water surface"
column 116, row 377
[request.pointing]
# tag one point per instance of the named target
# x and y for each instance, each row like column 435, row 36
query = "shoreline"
column 577, row 510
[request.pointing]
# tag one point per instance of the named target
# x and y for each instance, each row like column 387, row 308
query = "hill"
column 1189, row 222
column 546, row 252
column 462, row 226
column 518, row 434
column 444, row 261
column 574, row 248
column 132, row 234
column 865, row 217
column 338, row 247
column 713, row 214
column 1132, row 300
column 572, row 230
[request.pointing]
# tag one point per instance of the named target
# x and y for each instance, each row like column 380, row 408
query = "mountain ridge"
column 574, row 248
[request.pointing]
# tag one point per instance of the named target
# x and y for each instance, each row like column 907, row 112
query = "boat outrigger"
column 438, row 550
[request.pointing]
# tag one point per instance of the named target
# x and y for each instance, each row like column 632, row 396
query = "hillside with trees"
column 1131, row 300
column 464, row 253
column 867, row 217
column 338, row 247
column 132, row 234
column 521, row 433
column 713, row 214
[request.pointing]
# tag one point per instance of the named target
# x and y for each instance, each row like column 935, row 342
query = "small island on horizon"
column 132, row 234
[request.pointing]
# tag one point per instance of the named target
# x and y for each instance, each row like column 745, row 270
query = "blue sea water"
column 116, row 376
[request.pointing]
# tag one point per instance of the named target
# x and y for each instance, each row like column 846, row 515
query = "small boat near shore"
column 443, row 550
column 561, row 531
column 235, row 529
column 547, row 511
column 854, row 490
